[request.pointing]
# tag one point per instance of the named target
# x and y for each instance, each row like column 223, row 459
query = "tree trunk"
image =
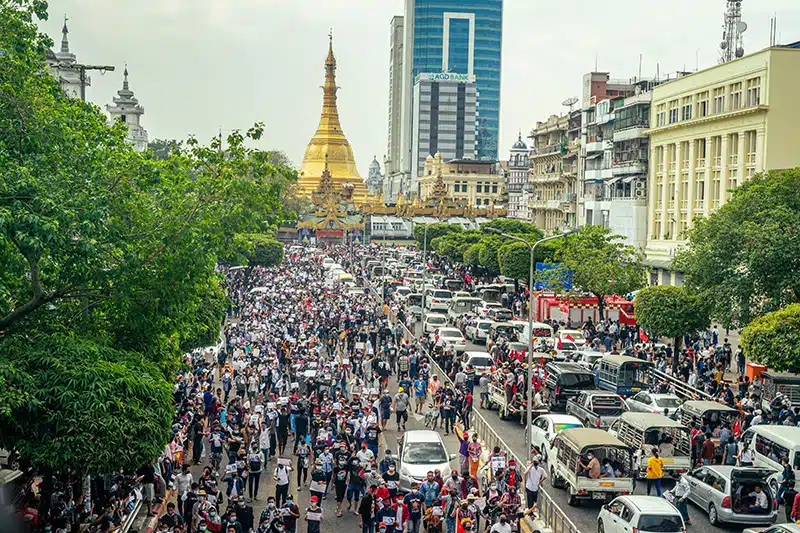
column 601, row 306
column 676, row 349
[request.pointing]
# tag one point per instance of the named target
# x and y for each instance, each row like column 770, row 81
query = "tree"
column 91, row 409
column 600, row 263
column 774, row 339
column 745, row 258
column 515, row 257
column 512, row 227
column 487, row 256
column 434, row 231
column 472, row 253
column 666, row 311
column 453, row 245
column 260, row 250
column 164, row 148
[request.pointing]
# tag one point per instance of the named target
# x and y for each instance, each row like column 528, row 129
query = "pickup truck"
column 596, row 408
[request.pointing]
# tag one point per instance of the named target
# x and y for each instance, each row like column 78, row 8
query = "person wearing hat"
column 314, row 515
column 290, row 513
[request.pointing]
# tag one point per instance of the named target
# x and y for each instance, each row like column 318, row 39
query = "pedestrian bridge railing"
column 681, row 389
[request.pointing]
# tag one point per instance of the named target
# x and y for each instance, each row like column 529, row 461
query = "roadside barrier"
column 549, row 511
column 682, row 390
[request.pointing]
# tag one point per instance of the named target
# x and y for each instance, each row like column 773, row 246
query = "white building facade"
column 126, row 109
column 517, row 186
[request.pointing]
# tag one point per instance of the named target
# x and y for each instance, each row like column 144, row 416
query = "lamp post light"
column 530, row 320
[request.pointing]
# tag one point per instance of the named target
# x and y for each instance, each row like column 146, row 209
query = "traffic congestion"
column 615, row 432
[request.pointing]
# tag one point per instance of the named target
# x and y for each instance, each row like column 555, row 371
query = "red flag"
column 643, row 336
column 560, row 344
column 569, row 338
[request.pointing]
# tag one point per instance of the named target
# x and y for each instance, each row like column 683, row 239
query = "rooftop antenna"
column 569, row 102
column 640, row 66
column 731, row 46
column 595, row 61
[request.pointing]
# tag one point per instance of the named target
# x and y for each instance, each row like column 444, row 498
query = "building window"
column 700, row 153
column 716, row 150
column 702, row 104
column 479, row 187
column 753, row 92
column 661, row 115
column 673, row 111
column 733, row 149
column 719, row 100
column 736, row 96
column 686, row 112
column 494, row 188
column 750, row 147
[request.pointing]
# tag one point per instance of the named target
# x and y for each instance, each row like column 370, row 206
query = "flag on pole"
column 643, row 336
column 569, row 338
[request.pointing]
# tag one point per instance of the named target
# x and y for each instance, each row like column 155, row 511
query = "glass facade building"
column 464, row 37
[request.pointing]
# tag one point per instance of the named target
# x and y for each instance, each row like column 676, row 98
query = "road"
column 584, row 515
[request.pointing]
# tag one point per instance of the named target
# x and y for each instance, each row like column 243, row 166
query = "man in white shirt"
column 760, row 506
column 534, row 476
column 503, row 526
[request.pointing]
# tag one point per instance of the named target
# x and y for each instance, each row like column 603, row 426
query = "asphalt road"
column 584, row 515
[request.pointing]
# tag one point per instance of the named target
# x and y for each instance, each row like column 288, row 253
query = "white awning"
column 613, row 181
column 628, row 179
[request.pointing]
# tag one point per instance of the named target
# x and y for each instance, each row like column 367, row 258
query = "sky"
column 201, row 66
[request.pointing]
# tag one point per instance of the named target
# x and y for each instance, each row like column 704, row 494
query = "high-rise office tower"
column 392, row 163
column 458, row 37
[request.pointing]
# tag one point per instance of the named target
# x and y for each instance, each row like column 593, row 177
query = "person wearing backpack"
column 255, row 465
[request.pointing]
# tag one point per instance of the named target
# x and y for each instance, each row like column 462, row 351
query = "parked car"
column 596, row 408
column 715, row 490
column 572, row 335
column 565, row 381
column 438, row 299
column 451, row 337
column 483, row 311
column 586, row 358
column 422, row 451
column 481, row 362
column 499, row 314
column 643, row 514
column 401, row 292
column 649, row 402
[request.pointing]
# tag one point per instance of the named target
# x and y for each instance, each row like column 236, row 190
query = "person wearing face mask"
column 502, row 525
column 451, row 505
column 314, row 516
column 270, row 512
column 453, row 482
column 318, row 480
column 290, row 513
column 365, row 455
column 510, row 501
column 392, row 479
column 232, row 522
column 387, row 461
column 340, row 475
column 414, row 501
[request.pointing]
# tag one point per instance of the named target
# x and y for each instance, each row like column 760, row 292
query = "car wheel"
column 600, row 528
column 713, row 516
column 501, row 413
column 572, row 500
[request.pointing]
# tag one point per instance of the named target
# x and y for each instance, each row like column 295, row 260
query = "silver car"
column 726, row 492
column 422, row 451
column 648, row 402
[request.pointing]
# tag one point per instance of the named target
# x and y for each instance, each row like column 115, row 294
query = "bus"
column 621, row 374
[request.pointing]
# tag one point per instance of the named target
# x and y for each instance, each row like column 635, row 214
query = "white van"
column 769, row 443
column 540, row 330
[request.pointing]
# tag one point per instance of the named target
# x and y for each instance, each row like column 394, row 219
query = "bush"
column 774, row 339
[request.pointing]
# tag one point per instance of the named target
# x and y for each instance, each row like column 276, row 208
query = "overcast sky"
column 201, row 65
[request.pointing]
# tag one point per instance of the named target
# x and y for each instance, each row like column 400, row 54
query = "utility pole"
column 82, row 74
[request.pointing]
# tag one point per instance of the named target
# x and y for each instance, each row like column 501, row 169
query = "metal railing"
column 681, row 389
column 549, row 511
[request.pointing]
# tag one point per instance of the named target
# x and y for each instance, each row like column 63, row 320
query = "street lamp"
column 530, row 319
column 82, row 74
column 424, row 272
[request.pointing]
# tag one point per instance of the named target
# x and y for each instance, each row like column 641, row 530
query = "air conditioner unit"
column 639, row 193
column 640, row 186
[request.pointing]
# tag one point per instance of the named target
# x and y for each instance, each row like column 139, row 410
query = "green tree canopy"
column 666, row 311
column 745, row 258
column 108, row 256
column 91, row 409
column 164, row 148
column 472, row 253
column 513, row 227
column 600, row 263
column 774, row 339
column 453, row 245
column 434, row 231
column 259, row 249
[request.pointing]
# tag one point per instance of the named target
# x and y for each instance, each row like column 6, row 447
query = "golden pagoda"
column 329, row 148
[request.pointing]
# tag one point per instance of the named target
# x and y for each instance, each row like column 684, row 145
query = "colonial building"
column 465, row 182
column 554, row 172
column 126, row 109
column 329, row 147
column 709, row 132
column 61, row 66
column 518, row 170
column 375, row 178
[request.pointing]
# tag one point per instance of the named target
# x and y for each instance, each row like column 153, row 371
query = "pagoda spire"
column 125, row 86
column 64, row 38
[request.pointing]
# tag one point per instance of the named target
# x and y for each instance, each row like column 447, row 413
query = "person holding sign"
column 314, row 516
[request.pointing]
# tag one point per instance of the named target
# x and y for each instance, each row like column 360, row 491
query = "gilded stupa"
column 329, row 149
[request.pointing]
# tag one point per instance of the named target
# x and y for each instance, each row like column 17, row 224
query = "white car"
column 422, row 451
column 586, row 358
column 479, row 331
column 483, row 310
column 434, row 322
column 327, row 262
column 481, row 362
column 574, row 334
column 438, row 299
column 648, row 402
column 545, row 428
column 565, row 350
column 401, row 292
column 777, row 528
column 642, row 514
column 451, row 337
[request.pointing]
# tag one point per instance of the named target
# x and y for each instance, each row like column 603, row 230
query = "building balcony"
column 607, row 173
column 547, row 177
column 636, row 132
column 599, row 146
column 546, row 150
column 592, row 174
column 623, row 168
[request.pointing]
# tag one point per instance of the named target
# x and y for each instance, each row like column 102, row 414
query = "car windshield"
column 436, row 320
column 660, row 523
column 562, row 427
column 425, row 453
column 480, row 361
column 442, row 294
column 415, row 299
column 451, row 334
column 668, row 402
column 404, row 291
column 484, row 325
column 575, row 335
column 566, row 345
